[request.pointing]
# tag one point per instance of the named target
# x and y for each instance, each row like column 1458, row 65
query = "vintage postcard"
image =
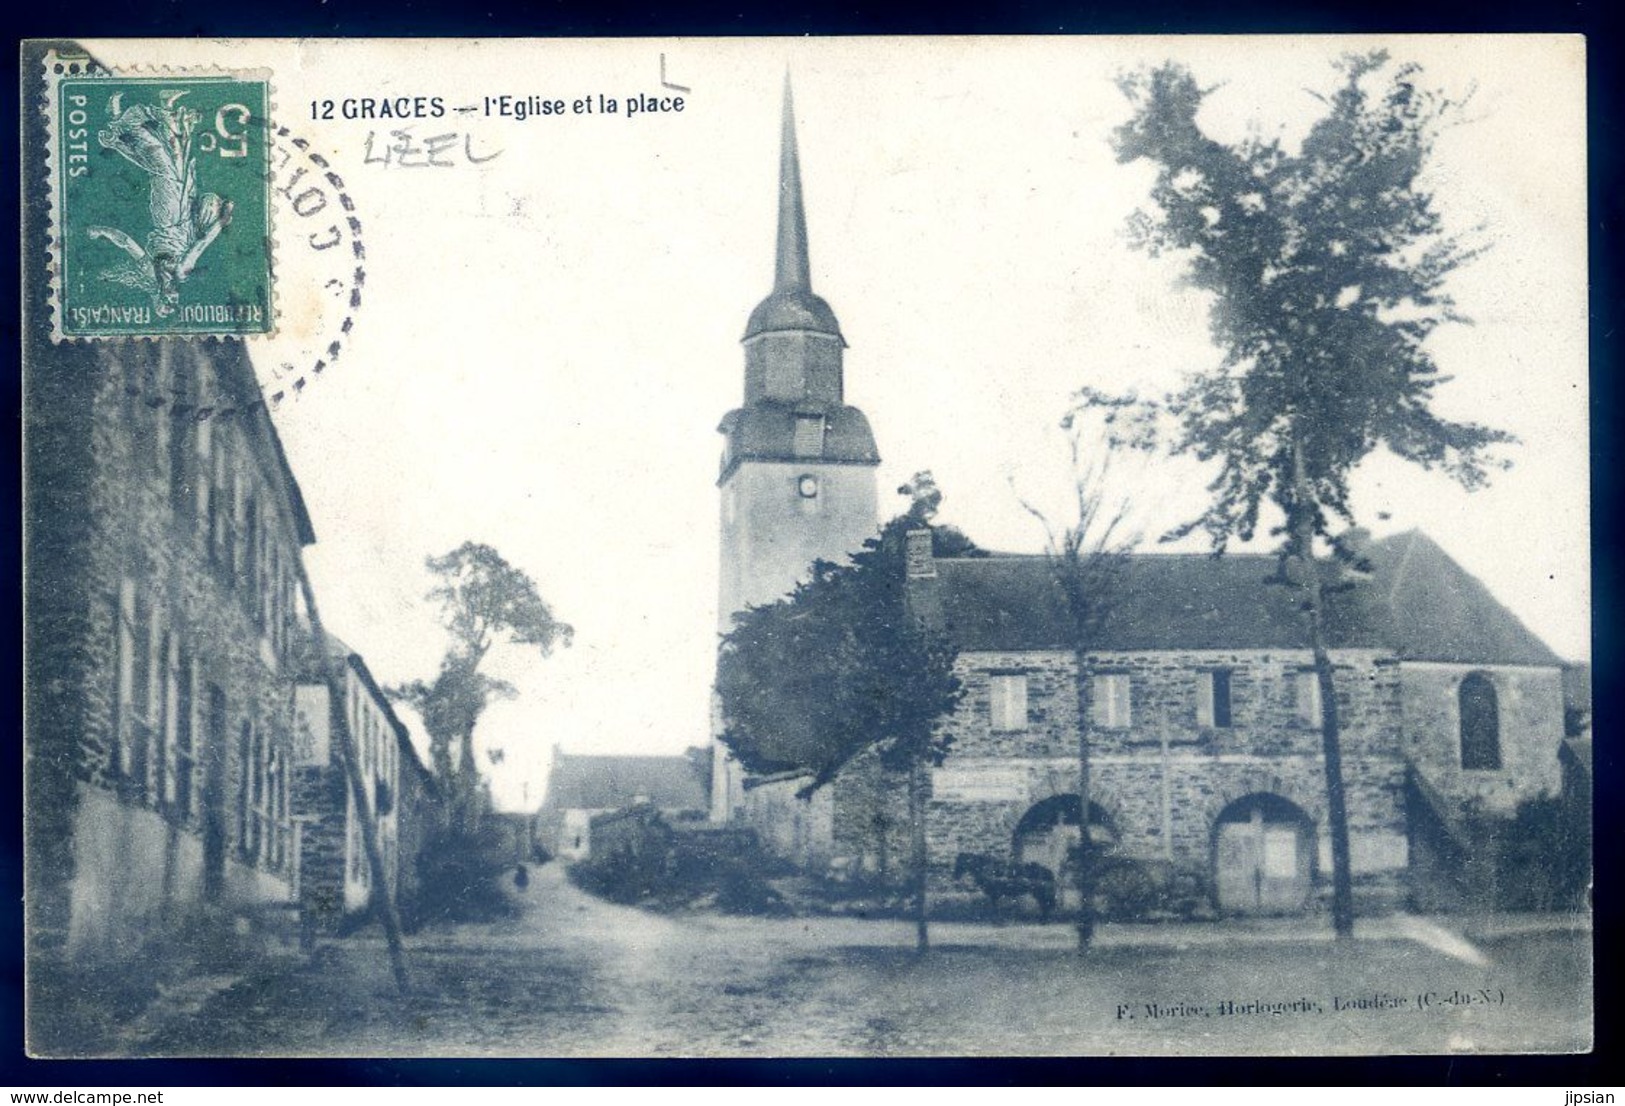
column 803, row 547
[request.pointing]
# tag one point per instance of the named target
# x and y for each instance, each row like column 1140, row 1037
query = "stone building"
column 164, row 542
column 1205, row 743
column 420, row 814
column 582, row 787
column 336, row 880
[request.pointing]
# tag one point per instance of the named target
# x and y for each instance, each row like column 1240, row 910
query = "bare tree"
column 1086, row 556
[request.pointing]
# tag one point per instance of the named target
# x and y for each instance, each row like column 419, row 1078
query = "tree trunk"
column 916, row 819
column 1331, row 738
column 1085, row 874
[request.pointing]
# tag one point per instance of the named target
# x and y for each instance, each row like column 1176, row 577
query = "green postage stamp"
column 161, row 189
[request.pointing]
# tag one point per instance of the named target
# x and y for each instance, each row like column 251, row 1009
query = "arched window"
column 1480, row 723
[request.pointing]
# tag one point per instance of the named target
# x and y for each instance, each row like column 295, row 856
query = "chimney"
column 917, row 557
column 920, row 583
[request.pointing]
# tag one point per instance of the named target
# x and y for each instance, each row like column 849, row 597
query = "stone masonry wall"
column 1163, row 781
column 1530, row 704
column 205, row 614
column 797, row 829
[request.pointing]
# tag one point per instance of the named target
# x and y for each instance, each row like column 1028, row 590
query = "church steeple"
column 794, row 406
column 791, row 271
column 798, row 467
column 792, row 306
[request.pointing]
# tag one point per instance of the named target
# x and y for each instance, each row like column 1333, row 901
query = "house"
column 336, row 879
column 1205, row 730
column 580, row 787
column 164, row 544
column 420, row 815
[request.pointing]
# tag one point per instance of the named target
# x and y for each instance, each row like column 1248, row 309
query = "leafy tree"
column 1086, row 559
column 841, row 666
column 484, row 600
column 1328, row 269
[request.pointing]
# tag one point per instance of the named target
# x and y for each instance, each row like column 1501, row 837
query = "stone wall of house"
column 336, row 873
column 186, row 580
column 319, row 795
column 800, row 830
column 1530, row 707
column 869, row 818
column 416, row 824
column 1161, row 783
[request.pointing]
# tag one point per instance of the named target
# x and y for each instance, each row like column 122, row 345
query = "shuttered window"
column 1007, row 700
column 1112, row 705
column 809, row 436
column 1213, row 698
column 1306, row 695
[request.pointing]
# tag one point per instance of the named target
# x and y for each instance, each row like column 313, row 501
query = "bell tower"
column 798, row 464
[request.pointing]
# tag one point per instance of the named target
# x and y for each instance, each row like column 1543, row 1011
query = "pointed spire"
column 791, row 270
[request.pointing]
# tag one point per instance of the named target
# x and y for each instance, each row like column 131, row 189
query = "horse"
column 1001, row 879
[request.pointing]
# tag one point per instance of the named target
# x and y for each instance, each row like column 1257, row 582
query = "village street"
column 576, row 976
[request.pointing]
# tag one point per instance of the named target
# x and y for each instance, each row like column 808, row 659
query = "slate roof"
column 765, row 431
column 239, row 383
column 1419, row 603
column 1438, row 611
column 612, row 782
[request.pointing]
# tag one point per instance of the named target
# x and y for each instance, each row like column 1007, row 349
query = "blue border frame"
column 618, row 18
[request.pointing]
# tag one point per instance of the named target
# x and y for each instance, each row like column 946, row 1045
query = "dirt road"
column 577, row 976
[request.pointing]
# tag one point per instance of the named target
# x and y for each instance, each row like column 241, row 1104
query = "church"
column 1206, row 745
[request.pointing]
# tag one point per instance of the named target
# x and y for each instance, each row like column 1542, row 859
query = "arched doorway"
column 1263, row 856
column 1048, row 834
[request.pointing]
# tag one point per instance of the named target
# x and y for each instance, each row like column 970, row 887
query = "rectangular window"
column 231, row 557
column 1213, row 698
column 245, row 769
column 251, row 560
column 180, row 772
column 142, row 404
column 183, row 464
column 138, row 708
column 273, row 597
column 202, row 467
column 262, row 795
column 1111, row 703
column 217, row 509
column 809, row 436
column 148, row 715
column 124, row 677
column 1306, row 698
column 1007, row 700
column 164, row 717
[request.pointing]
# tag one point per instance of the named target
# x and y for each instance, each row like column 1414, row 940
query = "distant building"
column 164, row 539
column 580, row 787
column 336, row 880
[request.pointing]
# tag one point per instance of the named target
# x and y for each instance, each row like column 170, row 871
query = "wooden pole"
column 1086, row 888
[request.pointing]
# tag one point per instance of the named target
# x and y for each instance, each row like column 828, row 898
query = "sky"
column 548, row 335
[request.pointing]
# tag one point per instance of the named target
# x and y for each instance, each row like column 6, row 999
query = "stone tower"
column 798, row 463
